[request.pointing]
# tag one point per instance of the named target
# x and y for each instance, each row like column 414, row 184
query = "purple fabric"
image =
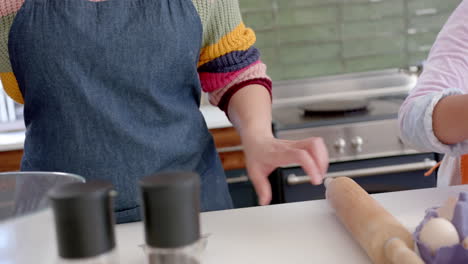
column 447, row 255
column 233, row 61
column 460, row 216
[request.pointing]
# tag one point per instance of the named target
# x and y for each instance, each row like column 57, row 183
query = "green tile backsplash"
column 307, row 15
column 415, row 7
column 429, row 22
column 314, row 34
column 302, row 3
column 370, row 63
column 306, row 53
column 416, row 57
column 421, row 42
column 259, row 20
column 375, row 46
column 256, row 4
column 372, row 10
column 366, row 29
column 313, row 68
column 309, row 38
column 266, row 38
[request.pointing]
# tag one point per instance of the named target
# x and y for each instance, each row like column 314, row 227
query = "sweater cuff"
column 226, row 98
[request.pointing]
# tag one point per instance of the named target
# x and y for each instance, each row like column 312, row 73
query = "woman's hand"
column 265, row 154
column 250, row 112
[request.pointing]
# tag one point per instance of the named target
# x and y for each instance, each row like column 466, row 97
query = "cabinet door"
column 225, row 137
column 10, row 160
column 228, row 144
column 241, row 189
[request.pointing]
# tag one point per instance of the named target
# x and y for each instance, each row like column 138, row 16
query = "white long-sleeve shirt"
column 445, row 73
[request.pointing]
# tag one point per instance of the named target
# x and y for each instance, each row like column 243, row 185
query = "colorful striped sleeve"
column 8, row 10
column 228, row 60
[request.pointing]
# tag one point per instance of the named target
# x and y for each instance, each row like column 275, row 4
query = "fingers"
column 262, row 186
column 296, row 155
column 311, row 154
column 317, row 150
column 309, row 165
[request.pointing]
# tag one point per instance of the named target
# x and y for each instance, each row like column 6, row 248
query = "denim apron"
column 112, row 92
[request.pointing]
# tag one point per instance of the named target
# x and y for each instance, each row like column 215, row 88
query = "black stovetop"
column 293, row 117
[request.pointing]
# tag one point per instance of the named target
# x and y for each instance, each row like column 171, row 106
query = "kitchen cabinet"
column 229, row 146
column 241, row 189
column 10, row 160
column 228, row 143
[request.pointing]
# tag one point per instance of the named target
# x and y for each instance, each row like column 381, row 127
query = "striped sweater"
column 228, row 60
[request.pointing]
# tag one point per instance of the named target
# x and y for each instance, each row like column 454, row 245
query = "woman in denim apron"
column 111, row 91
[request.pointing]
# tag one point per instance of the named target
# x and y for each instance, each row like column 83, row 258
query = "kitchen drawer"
column 226, row 137
column 10, row 160
column 229, row 146
column 232, row 160
column 404, row 180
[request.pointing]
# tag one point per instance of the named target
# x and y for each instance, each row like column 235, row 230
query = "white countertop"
column 214, row 117
column 11, row 140
column 296, row 233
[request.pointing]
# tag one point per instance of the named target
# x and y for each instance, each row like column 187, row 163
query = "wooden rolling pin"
column 383, row 238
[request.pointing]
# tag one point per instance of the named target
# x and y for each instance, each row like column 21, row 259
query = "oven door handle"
column 293, row 179
column 240, row 179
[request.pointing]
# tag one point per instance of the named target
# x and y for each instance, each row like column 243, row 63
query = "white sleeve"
column 445, row 73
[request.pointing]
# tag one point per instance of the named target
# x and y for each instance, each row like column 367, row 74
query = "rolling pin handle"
column 397, row 252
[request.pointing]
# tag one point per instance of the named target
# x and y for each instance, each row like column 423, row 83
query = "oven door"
column 376, row 175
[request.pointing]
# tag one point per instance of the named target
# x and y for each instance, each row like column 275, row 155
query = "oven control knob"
column 340, row 145
column 357, row 143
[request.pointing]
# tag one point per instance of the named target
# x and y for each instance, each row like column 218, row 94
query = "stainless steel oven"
column 385, row 174
column 362, row 138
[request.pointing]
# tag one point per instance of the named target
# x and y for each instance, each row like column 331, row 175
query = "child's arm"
column 434, row 116
column 449, row 119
